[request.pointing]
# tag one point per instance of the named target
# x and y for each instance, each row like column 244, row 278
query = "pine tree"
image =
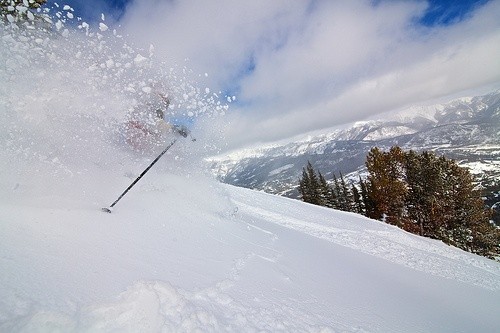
column 304, row 186
column 310, row 187
column 345, row 194
column 10, row 5
column 426, row 201
column 485, row 240
column 337, row 193
column 443, row 202
column 431, row 196
column 357, row 200
column 386, row 186
column 419, row 192
column 368, row 204
column 325, row 191
column 469, row 227
column 314, row 184
column 19, row 10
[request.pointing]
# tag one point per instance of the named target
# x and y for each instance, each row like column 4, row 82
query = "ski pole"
column 109, row 209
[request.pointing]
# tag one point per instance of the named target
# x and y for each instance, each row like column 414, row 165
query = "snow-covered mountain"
column 182, row 252
column 466, row 129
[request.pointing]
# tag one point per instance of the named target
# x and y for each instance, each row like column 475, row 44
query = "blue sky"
column 310, row 65
column 440, row 12
column 92, row 9
column 448, row 12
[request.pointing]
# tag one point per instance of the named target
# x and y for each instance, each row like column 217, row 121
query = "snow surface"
column 182, row 252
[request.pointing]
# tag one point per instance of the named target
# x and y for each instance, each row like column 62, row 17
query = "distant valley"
column 465, row 129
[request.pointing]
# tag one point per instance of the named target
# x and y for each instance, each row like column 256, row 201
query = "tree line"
column 422, row 193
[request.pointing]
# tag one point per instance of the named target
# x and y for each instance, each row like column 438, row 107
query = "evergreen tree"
column 9, row 6
column 304, row 186
column 426, row 202
column 485, row 240
column 310, row 187
column 368, row 204
column 325, row 191
column 420, row 192
column 19, row 10
column 314, row 184
column 386, row 186
column 334, row 198
column 345, row 195
column 337, row 193
column 357, row 200
column 469, row 227
column 431, row 196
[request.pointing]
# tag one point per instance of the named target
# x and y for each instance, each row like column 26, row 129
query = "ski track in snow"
column 386, row 242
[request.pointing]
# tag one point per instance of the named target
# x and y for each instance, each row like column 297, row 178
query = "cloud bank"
column 300, row 66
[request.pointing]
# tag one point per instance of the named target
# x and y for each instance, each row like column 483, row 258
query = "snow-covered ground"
column 182, row 252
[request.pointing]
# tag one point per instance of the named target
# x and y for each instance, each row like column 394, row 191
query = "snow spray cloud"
column 67, row 86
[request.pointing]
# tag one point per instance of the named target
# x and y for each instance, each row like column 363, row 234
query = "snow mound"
column 159, row 307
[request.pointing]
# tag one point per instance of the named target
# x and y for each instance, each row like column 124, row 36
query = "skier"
column 146, row 127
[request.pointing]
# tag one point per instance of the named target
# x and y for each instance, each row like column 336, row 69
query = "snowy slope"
column 182, row 252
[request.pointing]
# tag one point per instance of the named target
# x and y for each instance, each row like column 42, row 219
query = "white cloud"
column 218, row 37
column 306, row 65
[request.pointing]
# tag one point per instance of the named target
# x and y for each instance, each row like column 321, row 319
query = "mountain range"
column 465, row 129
